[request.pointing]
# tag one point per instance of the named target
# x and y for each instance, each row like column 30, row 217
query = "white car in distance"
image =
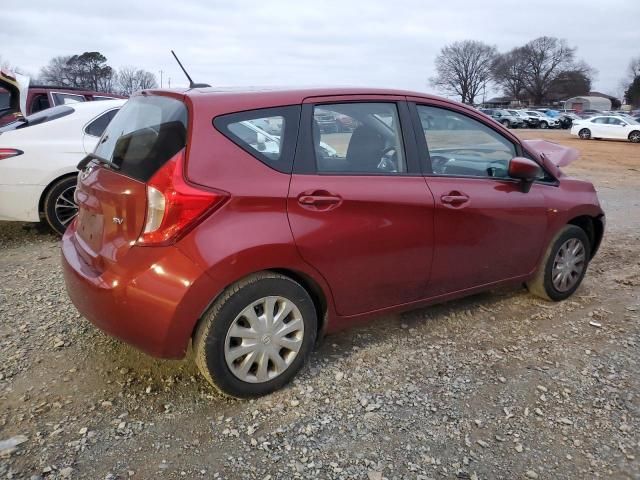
column 38, row 159
column 607, row 126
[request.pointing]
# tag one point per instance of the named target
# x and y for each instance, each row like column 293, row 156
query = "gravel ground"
column 500, row 385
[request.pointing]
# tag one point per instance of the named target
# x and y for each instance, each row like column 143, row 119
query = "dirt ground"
column 501, row 385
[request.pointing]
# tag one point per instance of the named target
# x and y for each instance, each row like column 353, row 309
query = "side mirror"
column 525, row 170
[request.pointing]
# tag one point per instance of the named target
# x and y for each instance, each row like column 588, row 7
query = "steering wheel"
column 388, row 160
column 438, row 163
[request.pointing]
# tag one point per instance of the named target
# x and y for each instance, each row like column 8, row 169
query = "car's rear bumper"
column 20, row 202
column 151, row 300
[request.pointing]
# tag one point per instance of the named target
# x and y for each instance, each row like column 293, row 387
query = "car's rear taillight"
column 173, row 206
column 9, row 152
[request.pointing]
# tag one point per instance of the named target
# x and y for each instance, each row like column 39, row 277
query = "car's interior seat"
column 365, row 149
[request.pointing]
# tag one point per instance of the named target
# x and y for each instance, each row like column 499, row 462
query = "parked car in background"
column 527, row 121
column 35, row 98
column 607, row 126
column 38, row 159
column 504, row 117
column 186, row 232
column 544, row 120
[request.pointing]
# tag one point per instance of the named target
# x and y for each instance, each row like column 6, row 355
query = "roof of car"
column 294, row 93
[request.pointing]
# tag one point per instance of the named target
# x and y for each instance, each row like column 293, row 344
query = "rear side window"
column 269, row 134
column 144, row 135
column 97, row 127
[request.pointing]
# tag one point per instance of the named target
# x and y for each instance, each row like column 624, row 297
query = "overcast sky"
column 390, row 43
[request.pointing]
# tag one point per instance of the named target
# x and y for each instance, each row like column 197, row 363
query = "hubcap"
column 584, row 134
column 66, row 208
column 264, row 339
column 635, row 137
column 568, row 265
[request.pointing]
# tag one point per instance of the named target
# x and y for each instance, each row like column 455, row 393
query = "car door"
column 358, row 206
column 599, row 127
column 486, row 228
column 617, row 128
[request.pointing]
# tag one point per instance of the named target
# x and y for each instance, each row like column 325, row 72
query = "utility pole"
column 161, row 72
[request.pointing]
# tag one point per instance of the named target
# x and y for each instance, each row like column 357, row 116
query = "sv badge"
column 118, row 220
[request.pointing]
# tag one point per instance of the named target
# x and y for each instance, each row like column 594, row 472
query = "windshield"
column 39, row 117
column 144, row 135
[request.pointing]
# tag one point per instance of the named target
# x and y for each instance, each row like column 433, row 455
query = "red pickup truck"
column 18, row 98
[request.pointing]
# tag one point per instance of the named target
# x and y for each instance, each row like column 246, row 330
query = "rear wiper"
column 92, row 156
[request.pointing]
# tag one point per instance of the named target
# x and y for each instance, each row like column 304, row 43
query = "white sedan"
column 38, row 158
column 607, row 126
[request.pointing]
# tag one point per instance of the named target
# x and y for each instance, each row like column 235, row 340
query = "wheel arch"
column 593, row 227
column 48, row 188
column 319, row 296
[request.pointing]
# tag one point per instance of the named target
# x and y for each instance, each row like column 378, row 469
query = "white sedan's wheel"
column 634, row 137
column 584, row 134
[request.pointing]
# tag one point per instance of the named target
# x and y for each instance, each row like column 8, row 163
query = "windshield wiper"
column 92, row 156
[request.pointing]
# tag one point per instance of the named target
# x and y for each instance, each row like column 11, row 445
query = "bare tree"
column 545, row 59
column 131, row 79
column 464, row 69
column 634, row 68
column 508, row 71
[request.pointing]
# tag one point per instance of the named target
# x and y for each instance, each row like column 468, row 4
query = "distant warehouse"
column 587, row 103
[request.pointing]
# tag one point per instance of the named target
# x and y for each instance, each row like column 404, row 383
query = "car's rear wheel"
column 563, row 265
column 256, row 336
column 634, row 137
column 584, row 134
column 59, row 206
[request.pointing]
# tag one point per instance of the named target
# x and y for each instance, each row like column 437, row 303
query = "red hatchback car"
column 196, row 225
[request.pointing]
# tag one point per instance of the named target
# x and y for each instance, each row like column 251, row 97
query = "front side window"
column 268, row 134
column 358, row 138
column 461, row 146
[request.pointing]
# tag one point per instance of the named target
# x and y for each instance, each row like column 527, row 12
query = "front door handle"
column 454, row 199
column 319, row 200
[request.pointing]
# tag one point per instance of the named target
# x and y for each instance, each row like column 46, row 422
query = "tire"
column 634, row 137
column 506, row 123
column 544, row 125
column 584, row 134
column 59, row 206
column 570, row 238
column 215, row 346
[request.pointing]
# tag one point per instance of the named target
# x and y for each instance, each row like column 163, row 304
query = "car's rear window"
column 40, row 117
column 144, row 135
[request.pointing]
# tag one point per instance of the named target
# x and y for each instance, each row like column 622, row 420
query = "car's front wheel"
column 634, row 137
column 563, row 266
column 584, row 134
column 256, row 336
column 544, row 124
column 506, row 123
column 59, row 205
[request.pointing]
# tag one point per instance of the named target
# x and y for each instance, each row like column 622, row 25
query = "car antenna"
column 191, row 83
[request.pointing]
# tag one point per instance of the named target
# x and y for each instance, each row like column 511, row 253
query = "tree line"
column 90, row 71
column 540, row 71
